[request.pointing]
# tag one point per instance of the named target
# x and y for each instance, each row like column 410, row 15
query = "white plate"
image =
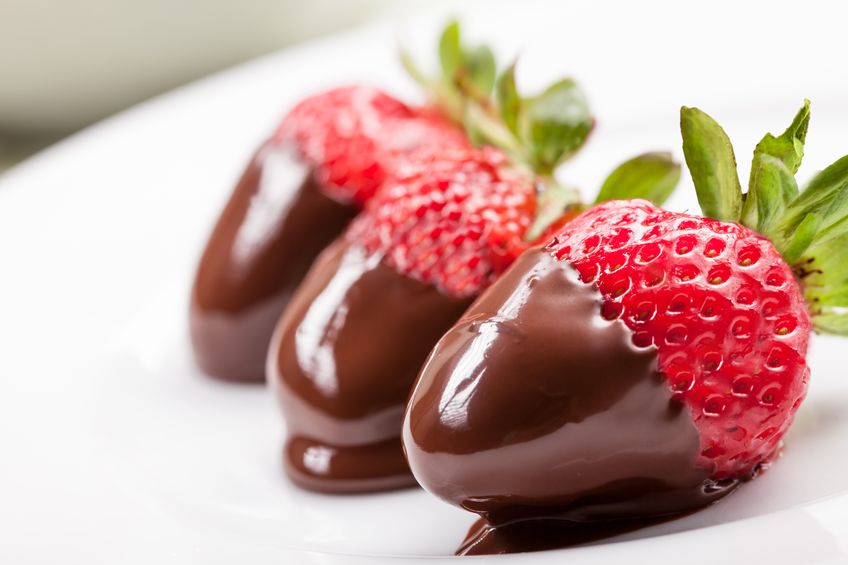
column 113, row 449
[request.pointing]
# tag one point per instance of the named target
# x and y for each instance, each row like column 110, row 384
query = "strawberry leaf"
column 652, row 176
column 473, row 67
column 509, row 101
column 789, row 147
column 824, row 276
column 814, row 241
column 450, row 51
column 712, row 164
column 800, row 239
column 558, row 123
column 819, row 195
column 825, row 196
column 479, row 62
column 771, row 185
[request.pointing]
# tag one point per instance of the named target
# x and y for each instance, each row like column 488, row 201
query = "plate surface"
column 114, row 448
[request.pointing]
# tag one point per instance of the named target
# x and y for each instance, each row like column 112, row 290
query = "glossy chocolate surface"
column 274, row 225
column 534, row 407
column 343, row 360
column 543, row 534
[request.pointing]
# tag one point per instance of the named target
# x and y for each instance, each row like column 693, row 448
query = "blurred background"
column 67, row 64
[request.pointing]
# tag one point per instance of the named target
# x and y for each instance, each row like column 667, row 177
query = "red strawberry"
column 453, row 218
column 352, row 135
column 298, row 193
column 721, row 307
column 643, row 362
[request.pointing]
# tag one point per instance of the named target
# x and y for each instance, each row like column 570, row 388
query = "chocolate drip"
column 276, row 222
column 343, row 360
column 543, row 534
column 533, row 407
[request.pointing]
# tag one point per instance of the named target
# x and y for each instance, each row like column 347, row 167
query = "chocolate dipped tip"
column 276, row 222
column 533, row 407
column 342, row 362
column 352, row 469
column 545, row 534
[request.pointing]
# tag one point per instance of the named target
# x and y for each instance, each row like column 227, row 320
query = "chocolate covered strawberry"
column 442, row 229
column 355, row 333
column 301, row 189
column 643, row 362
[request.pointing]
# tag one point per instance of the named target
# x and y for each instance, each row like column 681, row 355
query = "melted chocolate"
column 343, row 360
column 543, row 534
column 274, row 225
column 533, row 407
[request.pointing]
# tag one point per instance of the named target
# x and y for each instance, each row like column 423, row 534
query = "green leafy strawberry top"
column 538, row 132
column 808, row 226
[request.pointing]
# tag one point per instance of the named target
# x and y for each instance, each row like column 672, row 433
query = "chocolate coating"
column 343, row 360
column 276, row 222
column 534, row 407
column 543, row 534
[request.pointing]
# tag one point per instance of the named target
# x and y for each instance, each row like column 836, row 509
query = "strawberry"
column 352, row 135
column 442, row 228
column 453, row 218
column 722, row 309
column 641, row 362
column 328, row 157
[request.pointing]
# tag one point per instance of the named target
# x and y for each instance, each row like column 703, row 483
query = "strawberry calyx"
column 808, row 226
column 538, row 133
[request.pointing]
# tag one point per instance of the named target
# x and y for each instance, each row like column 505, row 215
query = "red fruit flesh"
column 451, row 217
column 723, row 310
column 353, row 135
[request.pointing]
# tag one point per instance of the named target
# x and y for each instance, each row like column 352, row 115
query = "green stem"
column 552, row 202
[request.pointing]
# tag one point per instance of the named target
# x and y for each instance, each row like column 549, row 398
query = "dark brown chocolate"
column 534, row 407
column 276, row 222
column 543, row 534
column 343, row 360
